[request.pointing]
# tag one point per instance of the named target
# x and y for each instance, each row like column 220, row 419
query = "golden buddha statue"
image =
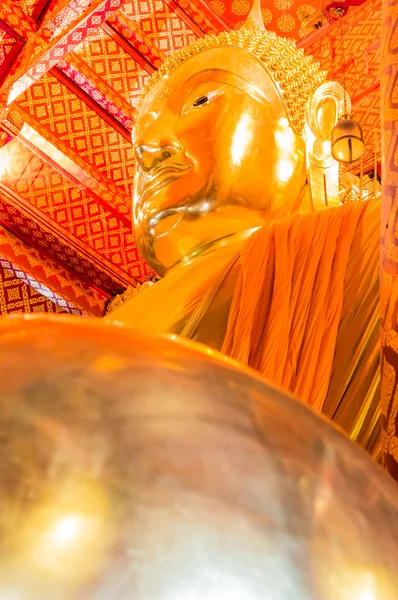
column 236, row 206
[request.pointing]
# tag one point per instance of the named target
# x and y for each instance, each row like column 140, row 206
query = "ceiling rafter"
column 60, row 246
column 62, row 164
column 97, row 94
column 73, row 171
column 127, row 47
column 40, row 53
column 116, row 278
column 136, row 38
column 91, row 103
column 100, row 185
column 185, row 17
column 102, row 86
column 107, row 277
column 200, row 12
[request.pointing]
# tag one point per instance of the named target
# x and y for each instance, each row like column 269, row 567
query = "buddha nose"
column 149, row 156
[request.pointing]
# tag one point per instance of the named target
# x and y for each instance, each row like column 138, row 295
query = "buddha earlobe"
column 325, row 106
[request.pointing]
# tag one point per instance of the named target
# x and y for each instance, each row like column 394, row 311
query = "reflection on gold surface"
column 5, row 161
column 180, row 475
column 241, row 139
column 62, row 539
column 284, row 169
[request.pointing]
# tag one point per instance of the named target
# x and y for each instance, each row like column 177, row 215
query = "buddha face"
column 215, row 156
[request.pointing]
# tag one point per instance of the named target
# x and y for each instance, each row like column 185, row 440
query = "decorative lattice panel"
column 163, row 26
column 73, row 209
column 83, row 130
column 110, row 62
column 17, row 296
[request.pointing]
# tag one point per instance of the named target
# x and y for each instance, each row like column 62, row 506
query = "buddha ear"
column 324, row 108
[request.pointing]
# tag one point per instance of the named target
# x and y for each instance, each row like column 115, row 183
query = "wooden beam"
column 184, row 17
column 100, row 186
column 100, row 84
column 45, row 49
column 134, row 35
column 128, row 48
column 35, row 266
column 202, row 9
column 99, row 110
column 76, row 247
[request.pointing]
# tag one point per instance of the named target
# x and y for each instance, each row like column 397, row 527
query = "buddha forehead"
column 223, row 64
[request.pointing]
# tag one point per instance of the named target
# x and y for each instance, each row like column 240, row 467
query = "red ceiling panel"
column 74, row 210
column 16, row 296
column 79, row 127
column 60, row 304
column 6, row 45
column 110, row 62
column 160, row 24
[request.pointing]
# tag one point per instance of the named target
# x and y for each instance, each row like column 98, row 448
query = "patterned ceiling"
column 71, row 72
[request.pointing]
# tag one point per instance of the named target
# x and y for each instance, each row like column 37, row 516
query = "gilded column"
column 389, row 235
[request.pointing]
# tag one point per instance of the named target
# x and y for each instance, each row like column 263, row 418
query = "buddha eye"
column 201, row 100
column 205, row 99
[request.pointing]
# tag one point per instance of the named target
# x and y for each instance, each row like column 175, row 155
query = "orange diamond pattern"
column 17, row 296
column 110, row 62
column 160, row 24
column 73, row 209
column 83, row 130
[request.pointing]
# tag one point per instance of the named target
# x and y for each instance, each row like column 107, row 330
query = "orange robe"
column 305, row 312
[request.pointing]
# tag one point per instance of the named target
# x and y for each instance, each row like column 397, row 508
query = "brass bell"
column 348, row 144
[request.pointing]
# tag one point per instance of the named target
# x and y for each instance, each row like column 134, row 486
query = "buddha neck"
column 303, row 204
column 218, row 244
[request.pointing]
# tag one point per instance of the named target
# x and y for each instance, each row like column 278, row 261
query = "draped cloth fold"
column 288, row 299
